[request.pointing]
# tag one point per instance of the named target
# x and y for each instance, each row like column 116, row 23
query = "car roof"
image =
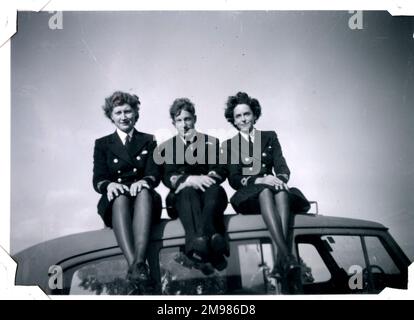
column 81, row 243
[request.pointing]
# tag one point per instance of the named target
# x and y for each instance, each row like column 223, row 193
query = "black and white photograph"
column 221, row 152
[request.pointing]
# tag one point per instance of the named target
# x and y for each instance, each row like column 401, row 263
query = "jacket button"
column 264, row 154
column 119, row 171
column 115, row 160
column 138, row 158
column 135, row 170
column 119, row 180
column 263, row 165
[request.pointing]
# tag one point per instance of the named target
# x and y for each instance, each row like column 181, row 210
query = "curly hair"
column 241, row 98
column 119, row 98
column 179, row 105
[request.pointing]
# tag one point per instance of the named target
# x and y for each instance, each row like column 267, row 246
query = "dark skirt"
column 105, row 208
column 246, row 199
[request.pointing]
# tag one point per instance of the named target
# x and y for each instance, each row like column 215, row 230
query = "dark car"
column 337, row 255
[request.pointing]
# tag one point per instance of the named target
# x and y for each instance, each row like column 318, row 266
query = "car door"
column 340, row 261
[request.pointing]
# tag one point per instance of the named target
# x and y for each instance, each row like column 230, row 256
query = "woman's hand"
column 115, row 189
column 273, row 181
column 136, row 187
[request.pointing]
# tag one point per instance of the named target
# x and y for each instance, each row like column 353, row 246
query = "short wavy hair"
column 179, row 105
column 241, row 98
column 119, row 98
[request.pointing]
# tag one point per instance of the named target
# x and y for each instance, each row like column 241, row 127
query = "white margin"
column 8, row 12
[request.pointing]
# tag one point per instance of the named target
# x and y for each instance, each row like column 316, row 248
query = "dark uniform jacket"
column 201, row 157
column 113, row 163
column 249, row 161
column 244, row 169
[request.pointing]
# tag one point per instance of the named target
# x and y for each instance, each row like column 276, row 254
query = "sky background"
column 341, row 101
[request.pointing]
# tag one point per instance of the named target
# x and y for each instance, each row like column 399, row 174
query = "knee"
column 121, row 200
column 186, row 196
column 143, row 194
column 213, row 190
column 266, row 193
column 143, row 199
column 187, row 192
column 282, row 196
column 216, row 193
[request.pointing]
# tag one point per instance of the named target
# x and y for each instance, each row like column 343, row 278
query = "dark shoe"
column 293, row 275
column 199, row 247
column 200, row 263
column 184, row 260
column 195, row 257
column 294, row 282
column 219, row 262
column 205, row 268
column 276, row 273
column 138, row 272
column 290, row 263
column 219, row 245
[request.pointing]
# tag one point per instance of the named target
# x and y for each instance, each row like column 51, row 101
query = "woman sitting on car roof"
column 125, row 174
column 260, row 175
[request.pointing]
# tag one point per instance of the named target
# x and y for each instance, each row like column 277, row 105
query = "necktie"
column 194, row 147
column 250, row 146
column 128, row 143
column 190, row 142
column 187, row 144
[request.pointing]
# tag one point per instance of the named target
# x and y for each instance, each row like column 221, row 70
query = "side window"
column 314, row 269
column 248, row 266
column 382, row 271
column 379, row 259
column 101, row 277
column 254, row 263
column 339, row 264
column 346, row 250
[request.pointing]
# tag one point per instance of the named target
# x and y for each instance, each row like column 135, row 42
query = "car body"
column 338, row 256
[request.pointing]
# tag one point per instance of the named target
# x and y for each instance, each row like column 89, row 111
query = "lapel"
column 178, row 142
column 199, row 136
column 264, row 139
column 237, row 140
column 137, row 143
column 178, row 150
column 200, row 143
column 118, row 148
column 179, row 147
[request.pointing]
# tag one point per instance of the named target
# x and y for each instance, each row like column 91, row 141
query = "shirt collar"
column 122, row 135
column 192, row 138
column 251, row 134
